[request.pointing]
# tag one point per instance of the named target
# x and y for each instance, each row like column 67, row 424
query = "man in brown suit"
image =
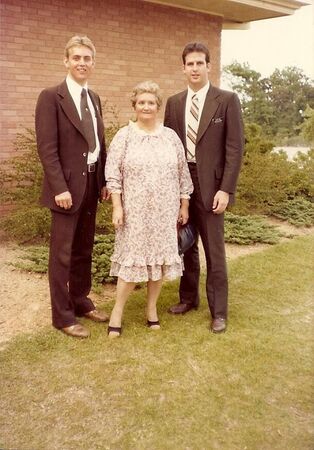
column 208, row 121
column 71, row 147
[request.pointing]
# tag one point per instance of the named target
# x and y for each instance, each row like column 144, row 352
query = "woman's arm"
column 117, row 211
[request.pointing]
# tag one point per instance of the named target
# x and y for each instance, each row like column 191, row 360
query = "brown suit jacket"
column 62, row 147
column 220, row 140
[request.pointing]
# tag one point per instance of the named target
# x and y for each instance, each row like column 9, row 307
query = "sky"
column 273, row 43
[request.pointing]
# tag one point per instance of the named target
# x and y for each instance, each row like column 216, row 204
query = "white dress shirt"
column 75, row 90
column 201, row 95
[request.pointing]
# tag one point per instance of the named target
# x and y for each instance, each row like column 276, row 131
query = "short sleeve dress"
column 151, row 173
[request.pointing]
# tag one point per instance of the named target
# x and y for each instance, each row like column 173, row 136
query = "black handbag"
column 186, row 237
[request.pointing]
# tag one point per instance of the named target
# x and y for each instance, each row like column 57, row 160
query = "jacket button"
column 84, row 173
column 84, row 154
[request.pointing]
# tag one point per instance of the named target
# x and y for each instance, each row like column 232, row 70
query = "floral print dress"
column 150, row 172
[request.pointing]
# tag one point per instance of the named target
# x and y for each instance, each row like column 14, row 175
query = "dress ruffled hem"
column 143, row 261
column 138, row 274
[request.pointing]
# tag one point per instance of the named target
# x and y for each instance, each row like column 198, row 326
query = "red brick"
column 34, row 34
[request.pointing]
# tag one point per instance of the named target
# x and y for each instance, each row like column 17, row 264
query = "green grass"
column 180, row 388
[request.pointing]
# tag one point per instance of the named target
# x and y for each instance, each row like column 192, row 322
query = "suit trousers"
column 210, row 227
column 70, row 259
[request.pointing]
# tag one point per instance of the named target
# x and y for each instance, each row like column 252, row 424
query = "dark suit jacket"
column 220, row 140
column 62, row 147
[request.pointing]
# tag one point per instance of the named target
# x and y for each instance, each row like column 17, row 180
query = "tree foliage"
column 307, row 127
column 277, row 103
column 291, row 91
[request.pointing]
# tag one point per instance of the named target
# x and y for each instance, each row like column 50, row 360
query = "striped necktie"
column 192, row 128
column 87, row 122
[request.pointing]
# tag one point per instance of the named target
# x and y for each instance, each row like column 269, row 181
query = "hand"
column 183, row 215
column 220, row 202
column 105, row 194
column 64, row 200
column 117, row 216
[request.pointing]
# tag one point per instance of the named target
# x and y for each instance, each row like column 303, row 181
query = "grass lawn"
column 181, row 387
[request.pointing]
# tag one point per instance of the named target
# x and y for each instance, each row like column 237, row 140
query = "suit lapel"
column 70, row 110
column 180, row 116
column 100, row 125
column 209, row 109
column 69, row 107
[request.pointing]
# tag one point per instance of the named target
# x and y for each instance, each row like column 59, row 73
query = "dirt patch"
column 289, row 229
column 24, row 301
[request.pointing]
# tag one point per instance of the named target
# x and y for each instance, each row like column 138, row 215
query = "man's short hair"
column 195, row 47
column 77, row 41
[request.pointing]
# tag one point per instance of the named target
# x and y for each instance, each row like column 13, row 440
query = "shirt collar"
column 74, row 87
column 201, row 94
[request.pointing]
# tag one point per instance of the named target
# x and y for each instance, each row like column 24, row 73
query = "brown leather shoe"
column 181, row 308
column 76, row 330
column 97, row 316
column 218, row 325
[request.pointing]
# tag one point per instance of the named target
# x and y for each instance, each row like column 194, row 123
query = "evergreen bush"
column 267, row 178
column 298, row 211
column 104, row 218
column 22, row 175
column 267, row 183
column 28, row 224
column 103, row 248
column 35, row 259
column 238, row 230
column 245, row 230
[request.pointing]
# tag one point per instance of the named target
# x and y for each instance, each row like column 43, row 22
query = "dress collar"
column 138, row 130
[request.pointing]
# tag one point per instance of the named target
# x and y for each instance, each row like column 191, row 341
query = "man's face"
column 196, row 70
column 80, row 63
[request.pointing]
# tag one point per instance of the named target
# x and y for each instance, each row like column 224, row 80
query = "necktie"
column 87, row 122
column 192, row 128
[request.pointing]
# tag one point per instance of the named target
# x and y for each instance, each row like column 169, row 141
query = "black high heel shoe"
column 115, row 330
column 153, row 323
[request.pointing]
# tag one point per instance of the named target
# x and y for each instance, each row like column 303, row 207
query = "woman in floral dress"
column 150, row 185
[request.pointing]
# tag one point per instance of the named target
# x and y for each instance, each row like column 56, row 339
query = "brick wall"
column 135, row 41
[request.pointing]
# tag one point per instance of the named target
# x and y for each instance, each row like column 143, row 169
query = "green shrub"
column 238, row 230
column 255, row 140
column 104, row 218
column 112, row 124
column 269, row 179
column 33, row 224
column 244, row 230
column 305, row 164
column 22, row 175
column 103, row 249
column 35, row 259
column 28, row 224
column 21, row 183
column 298, row 211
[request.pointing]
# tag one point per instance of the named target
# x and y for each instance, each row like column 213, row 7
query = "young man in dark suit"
column 209, row 123
column 71, row 147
